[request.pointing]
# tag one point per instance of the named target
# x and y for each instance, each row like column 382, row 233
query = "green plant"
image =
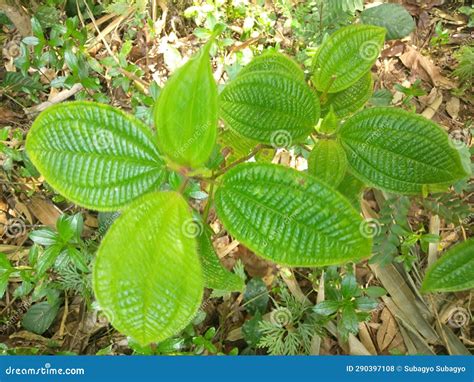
column 347, row 302
column 148, row 274
column 441, row 36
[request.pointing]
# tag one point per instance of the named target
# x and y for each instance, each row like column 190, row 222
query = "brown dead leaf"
column 387, row 330
column 453, row 106
column 422, row 66
column 44, row 210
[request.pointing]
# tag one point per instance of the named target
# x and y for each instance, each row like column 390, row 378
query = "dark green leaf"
column 39, row 317
column 393, row 17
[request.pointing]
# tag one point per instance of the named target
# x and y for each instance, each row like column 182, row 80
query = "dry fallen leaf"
column 453, row 106
column 422, row 66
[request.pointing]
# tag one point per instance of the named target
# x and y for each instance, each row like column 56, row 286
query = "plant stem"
column 238, row 161
column 183, row 185
column 323, row 97
column 205, row 214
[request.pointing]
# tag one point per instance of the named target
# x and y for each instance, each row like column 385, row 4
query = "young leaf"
column 454, row 271
column 393, row 17
column 215, row 275
column 274, row 62
column 351, row 99
column 346, row 56
column 149, row 281
column 328, row 161
column 330, row 122
column 186, row 112
column 399, row 151
column 289, row 217
column 95, row 155
column 272, row 107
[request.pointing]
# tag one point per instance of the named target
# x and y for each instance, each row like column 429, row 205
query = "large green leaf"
column 289, row 217
column 215, row 275
column 399, row 151
column 147, row 275
column 95, row 155
column 270, row 106
column 351, row 99
column 274, row 62
column 393, row 17
column 327, row 161
column 454, row 271
column 346, row 56
column 186, row 112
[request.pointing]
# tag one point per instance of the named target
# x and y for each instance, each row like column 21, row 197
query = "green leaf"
column 39, row 317
column 256, row 297
column 215, row 275
column 95, row 155
column 352, row 189
column 351, row 99
column 289, row 217
column 45, row 236
column 271, row 107
column 393, row 17
column 366, row 303
column 349, row 286
column 149, row 280
column 327, row 161
column 274, row 62
column 4, row 277
column 326, row 308
column 349, row 319
column 375, row 291
column 346, row 56
column 399, row 151
column 454, row 271
column 47, row 259
column 330, row 122
column 186, row 112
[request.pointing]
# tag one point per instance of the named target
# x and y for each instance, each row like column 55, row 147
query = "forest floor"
column 417, row 71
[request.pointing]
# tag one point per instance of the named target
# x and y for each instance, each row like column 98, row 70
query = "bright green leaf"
column 272, row 107
column 352, row 189
column 289, row 217
column 393, row 17
column 149, row 280
column 399, row 151
column 327, row 161
column 351, row 99
column 454, row 271
column 186, row 112
column 346, row 56
column 95, row 155
column 274, row 62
